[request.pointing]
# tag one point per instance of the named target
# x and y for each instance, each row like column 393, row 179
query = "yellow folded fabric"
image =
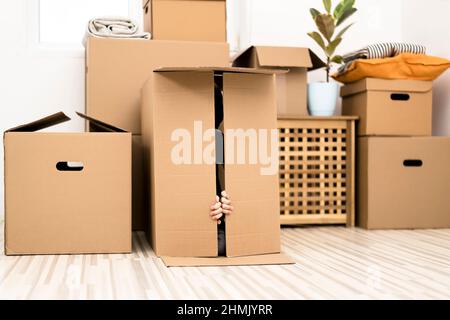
column 404, row 66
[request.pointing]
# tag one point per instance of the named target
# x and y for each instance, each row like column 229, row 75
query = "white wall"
column 35, row 83
column 428, row 23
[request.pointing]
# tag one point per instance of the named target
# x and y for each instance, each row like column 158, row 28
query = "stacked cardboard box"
column 403, row 171
column 179, row 67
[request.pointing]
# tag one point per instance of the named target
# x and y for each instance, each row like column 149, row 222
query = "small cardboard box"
column 291, row 87
column 390, row 107
column 67, row 193
column 186, row 20
column 403, row 182
column 182, row 100
column 116, row 70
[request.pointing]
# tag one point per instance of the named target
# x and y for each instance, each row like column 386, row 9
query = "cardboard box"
column 116, row 70
column 186, row 20
column 403, row 182
column 390, row 107
column 292, row 87
column 67, row 193
column 181, row 193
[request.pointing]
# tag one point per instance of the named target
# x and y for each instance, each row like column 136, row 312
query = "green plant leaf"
column 326, row 24
column 327, row 5
column 346, row 15
column 341, row 33
column 318, row 38
column 314, row 13
column 331, row 48
column 337, row 59
column 342, row 7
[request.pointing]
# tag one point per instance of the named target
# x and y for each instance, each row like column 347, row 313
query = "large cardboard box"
column 403, row 182
column 292, row 87
column 67, row 193
column 182, row 101
column 390, row 107
column 116, row 70
column 187, row 20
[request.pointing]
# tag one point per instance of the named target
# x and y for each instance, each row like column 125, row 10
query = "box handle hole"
column 400, row 96
column 69, row 166
column 413, row 163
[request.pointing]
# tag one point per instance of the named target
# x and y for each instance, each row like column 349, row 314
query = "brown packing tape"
column 269, row 259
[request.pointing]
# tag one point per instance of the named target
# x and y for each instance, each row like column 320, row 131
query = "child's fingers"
column 225, row 200
column 216, row 206
column 215, row 212
column 219, row 221
column 225, row 194
column 218, row 216
column 227, row 207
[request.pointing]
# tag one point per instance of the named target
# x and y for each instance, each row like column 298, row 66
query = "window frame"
column 35, row 47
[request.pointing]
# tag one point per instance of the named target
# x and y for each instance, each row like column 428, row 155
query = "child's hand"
column 216, row 210
column 227, row 208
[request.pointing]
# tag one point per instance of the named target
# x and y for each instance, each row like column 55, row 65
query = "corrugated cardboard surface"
column 140, row 218
column 118, row 68
column 187, row 20
column 394, row 196
column 182, row 194
column 380, row 114
column 268, row 259
column 48, row 211
column 292, row 93
column 249, row 103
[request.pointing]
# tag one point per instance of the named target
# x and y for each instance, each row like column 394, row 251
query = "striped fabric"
column 380, row 51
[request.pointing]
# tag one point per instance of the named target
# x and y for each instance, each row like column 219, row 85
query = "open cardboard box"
column 67, row 193
column 182, row 101
column 403, row 182
column 291, row 87
column 188, row 20
column 116, row 70
column 390, row 107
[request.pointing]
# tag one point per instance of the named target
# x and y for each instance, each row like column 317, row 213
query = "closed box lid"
column 372, row 84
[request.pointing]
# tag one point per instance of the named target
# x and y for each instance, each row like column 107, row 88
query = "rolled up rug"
column 115, row 27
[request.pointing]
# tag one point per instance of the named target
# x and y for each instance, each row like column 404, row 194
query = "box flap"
column 100, row 125
column 372, row 84
column 285, row 57
column 267, row 259
column 221, row 69
column 40, row 124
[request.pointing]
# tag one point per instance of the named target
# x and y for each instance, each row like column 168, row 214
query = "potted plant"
column 322, row 96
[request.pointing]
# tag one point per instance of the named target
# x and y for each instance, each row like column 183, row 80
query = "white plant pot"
column 322, row 98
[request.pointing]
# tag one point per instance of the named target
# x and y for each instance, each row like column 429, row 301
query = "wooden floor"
column 331, row 263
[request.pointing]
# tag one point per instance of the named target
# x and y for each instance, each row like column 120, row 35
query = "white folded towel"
column 115, row 27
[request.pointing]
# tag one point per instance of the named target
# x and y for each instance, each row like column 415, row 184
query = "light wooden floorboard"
column 331, row 263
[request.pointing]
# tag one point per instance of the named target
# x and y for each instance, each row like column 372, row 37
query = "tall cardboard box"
column 186, row 20
column 67, row 193
column 179, row 100
column 291, row 87
column 403, row 182
column 116, row 70
column 390, row 107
